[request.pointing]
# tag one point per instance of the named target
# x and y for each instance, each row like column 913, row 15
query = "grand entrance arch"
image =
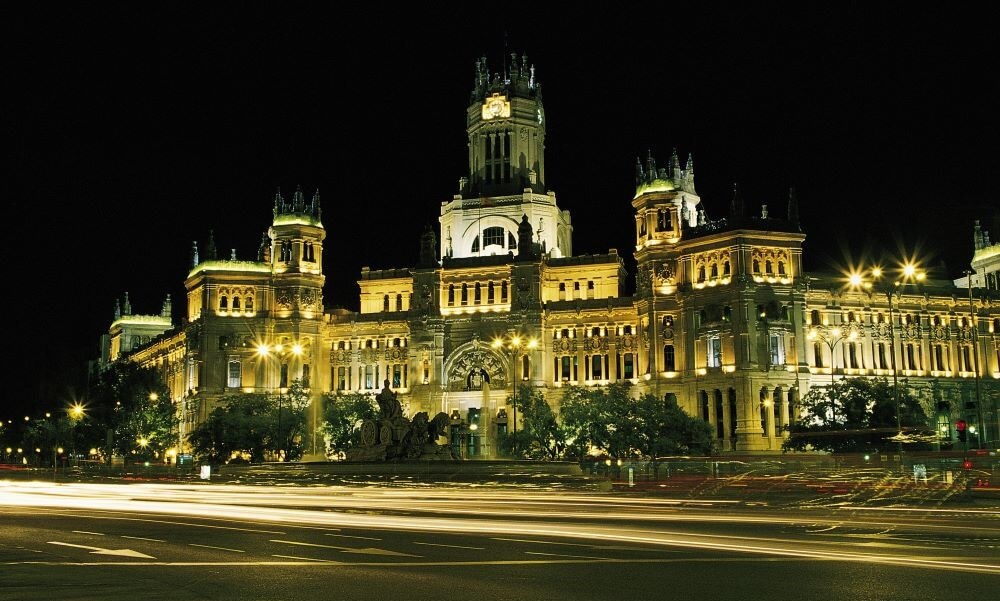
column 474, row 364
column 475, row 396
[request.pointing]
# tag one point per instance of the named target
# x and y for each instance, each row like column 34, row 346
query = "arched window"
column 236, row 303
column 756, row 266
column 489, row 293
column 814, row 317
column 503, row 291
column 511, row 241
column 477, row 294
column 715, row 270
column 701, row 273
column 223, row 302
column 249, row 306
column 465, row 294
column 451, row 295
column 768, row 267
column 493, row 236
column 385, row 303
column 399, row 302
column 475, row 244
column 781, row 268
column 725, row 269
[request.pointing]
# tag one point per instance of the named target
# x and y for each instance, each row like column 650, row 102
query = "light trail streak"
column 111, row 498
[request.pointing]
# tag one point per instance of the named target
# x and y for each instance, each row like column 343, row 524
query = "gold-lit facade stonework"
column 724, row 317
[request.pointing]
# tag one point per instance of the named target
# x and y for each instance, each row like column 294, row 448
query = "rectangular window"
column 283, row 382
column 566, row 371
column 777, row 345
column 369, row 377
column 596, row 372
column 397, row 376
column 305, row 375
column 910, row 358
column 341, row 378
column 852, row 350
column 714, row 352
column 629, row 366
column 817, row 354
column 235, row 379
column 668, row 358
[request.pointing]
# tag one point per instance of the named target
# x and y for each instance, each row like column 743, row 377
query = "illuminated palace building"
column 723, row 318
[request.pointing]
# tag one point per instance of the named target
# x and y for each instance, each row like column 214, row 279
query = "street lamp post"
column 984, row 433
column 909, row 274
column 831, row 338
column 515, row 347
column 283, row 352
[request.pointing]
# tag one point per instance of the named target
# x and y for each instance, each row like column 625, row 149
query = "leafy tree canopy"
column 854, row 415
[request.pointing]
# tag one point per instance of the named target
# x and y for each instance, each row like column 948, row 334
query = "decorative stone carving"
column 284, row 297
column 476, row 358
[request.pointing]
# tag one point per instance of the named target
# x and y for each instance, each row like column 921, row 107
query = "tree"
column 855, row 415
column 242, row 424
column 538, row 435
column 254, row 427
column 343, row 415
column 131, row 406
column 609, row 419
column 665, row 429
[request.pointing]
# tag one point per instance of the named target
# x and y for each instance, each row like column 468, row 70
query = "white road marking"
column 219, row 548
column 350, row 536
column 570, row 556
column 292, row 542
column 155, row 540
column 100, row 551
column 449, row 546
column 304, row 559
column 85, row 532
column 356, row 551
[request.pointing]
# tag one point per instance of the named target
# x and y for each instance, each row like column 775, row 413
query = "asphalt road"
column 163, row 541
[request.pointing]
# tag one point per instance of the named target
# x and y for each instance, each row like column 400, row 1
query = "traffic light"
column 963, row 431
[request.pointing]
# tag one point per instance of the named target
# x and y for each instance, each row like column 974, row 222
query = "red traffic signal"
column 960, row 425
column 966, row 465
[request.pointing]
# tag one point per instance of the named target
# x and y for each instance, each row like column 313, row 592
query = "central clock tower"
column 505, row 124
column 506, row 129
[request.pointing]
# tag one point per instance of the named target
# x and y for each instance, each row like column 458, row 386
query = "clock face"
column 496, row 106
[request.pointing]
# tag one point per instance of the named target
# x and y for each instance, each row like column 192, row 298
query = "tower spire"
column 279, row 202
column 194, row 254
column 793, row 208
column 736, row 204
column 211, row 254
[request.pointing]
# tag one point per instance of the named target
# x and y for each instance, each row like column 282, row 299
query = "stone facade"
column 723, row 317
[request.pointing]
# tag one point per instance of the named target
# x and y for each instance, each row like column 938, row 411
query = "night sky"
column 130, row 135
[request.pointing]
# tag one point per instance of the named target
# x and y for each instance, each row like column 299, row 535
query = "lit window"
column 235, row 379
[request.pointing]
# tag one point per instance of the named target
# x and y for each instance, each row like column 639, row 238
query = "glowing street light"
column 517, row 348
column 281, row 352
column 76, row 411
column 910, row 273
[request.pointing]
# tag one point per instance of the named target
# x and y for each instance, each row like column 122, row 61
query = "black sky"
column 128, row 135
